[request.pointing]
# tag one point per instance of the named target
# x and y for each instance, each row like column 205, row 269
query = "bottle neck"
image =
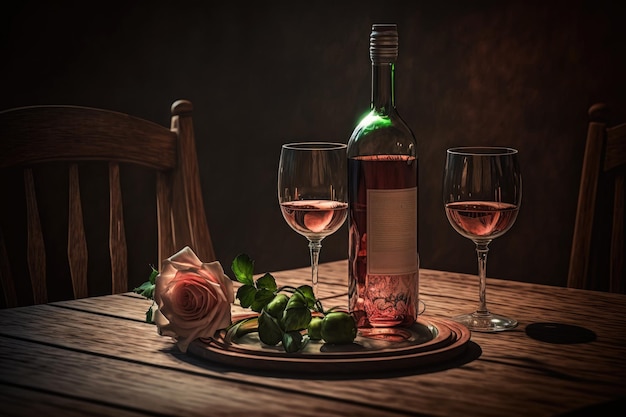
column 383, row 88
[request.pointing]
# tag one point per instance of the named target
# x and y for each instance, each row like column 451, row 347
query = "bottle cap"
column 384, row 42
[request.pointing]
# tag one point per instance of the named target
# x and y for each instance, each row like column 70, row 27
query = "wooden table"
column 97, row 356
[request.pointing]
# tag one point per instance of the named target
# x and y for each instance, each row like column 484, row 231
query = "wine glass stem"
column 314, row 246
column 481, row 251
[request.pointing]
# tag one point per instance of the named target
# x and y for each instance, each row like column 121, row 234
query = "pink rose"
column 193, row 298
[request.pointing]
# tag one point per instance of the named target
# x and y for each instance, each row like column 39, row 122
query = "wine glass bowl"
column 482, row 193
column 313, row 192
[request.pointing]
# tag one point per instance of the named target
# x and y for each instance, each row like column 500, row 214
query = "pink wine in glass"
column 386, row 186
column 314, row 219
column 481, row 220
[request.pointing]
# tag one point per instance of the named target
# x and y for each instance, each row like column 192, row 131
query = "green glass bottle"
column 383, row 201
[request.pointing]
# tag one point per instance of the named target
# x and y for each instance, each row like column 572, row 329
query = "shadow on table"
column 559, row 333
column 471, row 353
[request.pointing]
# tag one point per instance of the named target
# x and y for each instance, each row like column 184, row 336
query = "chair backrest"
column 597, row 256
column 71, row 135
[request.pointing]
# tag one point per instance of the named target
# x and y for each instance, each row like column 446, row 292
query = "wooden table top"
column 97, row 356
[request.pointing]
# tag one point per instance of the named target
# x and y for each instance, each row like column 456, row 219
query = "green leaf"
column 243, row 268
column 296, row 318
column 292, row 341
column 268, row 282
column 146, row 289
column 261, row 299
column 153, row 276
column 242, row 327
column 246, row 294
column 296, row 300
column 149, row 315
column 270, row 332
column 307, row 292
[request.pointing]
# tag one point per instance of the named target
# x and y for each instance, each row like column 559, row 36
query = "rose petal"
column 185, row 259
column 163, row 324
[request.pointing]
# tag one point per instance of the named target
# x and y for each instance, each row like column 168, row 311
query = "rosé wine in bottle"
column 383, row 255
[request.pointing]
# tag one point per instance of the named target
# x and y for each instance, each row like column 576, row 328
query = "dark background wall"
column 515, row 73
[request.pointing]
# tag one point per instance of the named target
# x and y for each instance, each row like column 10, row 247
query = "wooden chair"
column 597, row 256
column 31, row 136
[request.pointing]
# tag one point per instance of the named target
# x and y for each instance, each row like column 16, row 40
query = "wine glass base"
column 486, row 322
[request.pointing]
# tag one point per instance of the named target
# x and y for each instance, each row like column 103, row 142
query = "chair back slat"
column 579, row 265
column 164, row 217
column 117, row 234
column 615, row 147
column 615, row 161
column 77, row 254
column 36, row 249
column 617, row 239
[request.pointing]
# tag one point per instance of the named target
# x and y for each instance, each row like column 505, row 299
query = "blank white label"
column 392, row 231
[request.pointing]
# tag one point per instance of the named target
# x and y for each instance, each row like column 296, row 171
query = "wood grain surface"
column 96, row 356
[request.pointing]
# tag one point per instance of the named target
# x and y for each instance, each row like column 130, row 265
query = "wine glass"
column 482, row 193
column 313, row 192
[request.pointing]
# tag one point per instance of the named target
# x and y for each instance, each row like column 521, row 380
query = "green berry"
column 338, row 327
column 315, row 328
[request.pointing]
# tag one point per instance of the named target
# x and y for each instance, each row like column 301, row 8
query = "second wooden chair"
column 598, row 251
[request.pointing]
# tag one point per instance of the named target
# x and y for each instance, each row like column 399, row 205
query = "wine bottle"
column 383, row 256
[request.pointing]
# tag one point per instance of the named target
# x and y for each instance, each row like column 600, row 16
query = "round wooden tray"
column 429, row 341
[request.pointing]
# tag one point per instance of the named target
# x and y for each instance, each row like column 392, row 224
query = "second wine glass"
column 313, row 192
column 482, row 193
